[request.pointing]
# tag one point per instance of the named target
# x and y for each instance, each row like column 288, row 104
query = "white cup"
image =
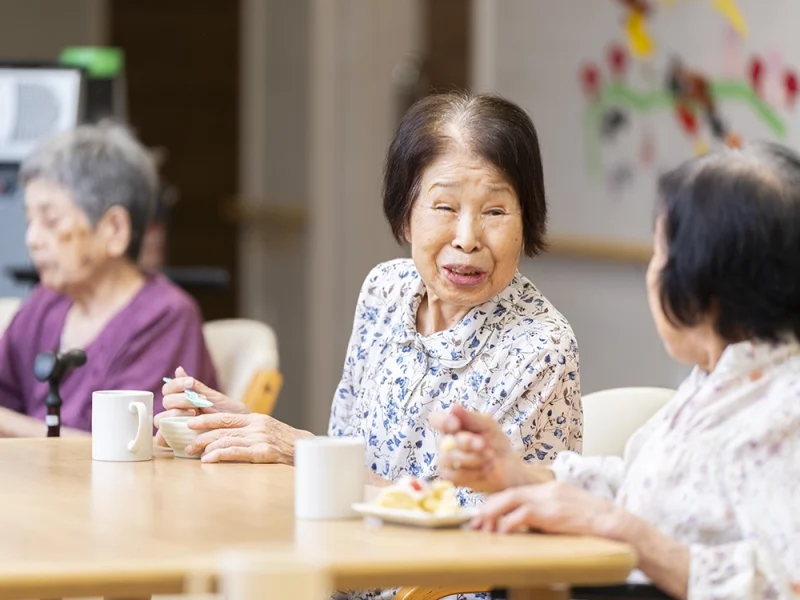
column 122, row 426
column 328, row 477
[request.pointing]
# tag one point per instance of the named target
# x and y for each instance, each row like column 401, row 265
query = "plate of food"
column 410, row 501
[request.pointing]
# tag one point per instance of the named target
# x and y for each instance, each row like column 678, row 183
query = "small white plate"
column 416, row 518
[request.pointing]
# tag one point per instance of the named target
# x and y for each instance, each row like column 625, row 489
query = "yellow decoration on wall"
column 700, row 147
column 639, row 40
column 730, row 10
column 727, row 8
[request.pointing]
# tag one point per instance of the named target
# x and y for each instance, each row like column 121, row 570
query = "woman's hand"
column 558, row 507
column 250, row 438
column 552, row 507
column 475, row 453
column 176, row 404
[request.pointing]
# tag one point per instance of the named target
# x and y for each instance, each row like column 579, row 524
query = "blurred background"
column 270, row 120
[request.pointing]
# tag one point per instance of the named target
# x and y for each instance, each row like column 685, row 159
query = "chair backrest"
column 245, row 353
column 610, row 417
column 8, row 308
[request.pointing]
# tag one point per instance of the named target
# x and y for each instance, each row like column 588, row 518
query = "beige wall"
column 318, row 111
column 604, row 301
column 606, row 304
column 25, row 34
column 273, row 154
column 355, row 46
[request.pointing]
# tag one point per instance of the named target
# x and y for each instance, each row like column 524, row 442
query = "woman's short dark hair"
column 495, row 129
column 731, row 223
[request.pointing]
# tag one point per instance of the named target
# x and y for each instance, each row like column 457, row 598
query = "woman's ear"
column 115, row 228
column 407, row 232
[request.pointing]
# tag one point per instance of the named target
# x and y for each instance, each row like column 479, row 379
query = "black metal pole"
column 52, row 368
column 53, row 403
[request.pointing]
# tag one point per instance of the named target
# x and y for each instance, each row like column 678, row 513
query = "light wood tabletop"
column 70, row 526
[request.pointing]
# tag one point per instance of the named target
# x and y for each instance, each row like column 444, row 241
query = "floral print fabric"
column 514, row 357
column 718, row 469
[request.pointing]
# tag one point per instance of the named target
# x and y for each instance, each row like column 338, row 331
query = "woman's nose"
column 31, row 237
column 468, row 234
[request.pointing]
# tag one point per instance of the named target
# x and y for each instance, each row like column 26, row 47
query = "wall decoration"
column 633, row 88
column 691, row 95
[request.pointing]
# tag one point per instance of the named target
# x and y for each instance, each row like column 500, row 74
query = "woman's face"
column 697, row 345
column 64, row 246
column 465, row 230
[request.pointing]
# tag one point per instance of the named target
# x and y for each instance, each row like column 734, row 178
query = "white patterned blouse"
column 718, row 469
column 514, row 357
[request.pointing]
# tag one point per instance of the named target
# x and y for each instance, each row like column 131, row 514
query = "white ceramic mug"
column 122, row 425
column 328, row 477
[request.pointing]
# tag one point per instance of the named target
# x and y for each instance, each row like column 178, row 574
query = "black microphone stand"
column 52, row 367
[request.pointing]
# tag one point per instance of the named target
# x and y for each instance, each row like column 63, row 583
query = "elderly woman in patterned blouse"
column 708, row 491
column 455, row 325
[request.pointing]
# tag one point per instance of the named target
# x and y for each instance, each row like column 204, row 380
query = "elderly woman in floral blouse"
column 708, row 491
column 455, row 325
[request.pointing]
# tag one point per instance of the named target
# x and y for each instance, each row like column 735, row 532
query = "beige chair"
column 8, row 308
column 245, row 353
column 610, row 417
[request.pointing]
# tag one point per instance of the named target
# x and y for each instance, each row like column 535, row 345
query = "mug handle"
column 141, row 430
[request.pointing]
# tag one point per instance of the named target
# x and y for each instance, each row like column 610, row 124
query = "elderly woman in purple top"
column 89, row 194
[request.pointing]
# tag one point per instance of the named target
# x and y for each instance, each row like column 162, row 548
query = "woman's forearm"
column 664, row 560
column 529, row 474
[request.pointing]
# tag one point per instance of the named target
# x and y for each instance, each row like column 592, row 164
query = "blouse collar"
column 750, row 359
column 456, row 347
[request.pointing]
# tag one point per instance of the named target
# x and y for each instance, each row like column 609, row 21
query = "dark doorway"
column 182, row 67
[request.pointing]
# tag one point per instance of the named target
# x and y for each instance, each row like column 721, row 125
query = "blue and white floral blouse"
column 514, row 357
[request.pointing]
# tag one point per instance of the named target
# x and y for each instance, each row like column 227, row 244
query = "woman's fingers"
column 184, row 381
column 218, row 421
column 175, row 412
column 259, row 453
column 458, row 459
column 190, row 383
column 463, row 451
column 469, row 442
column 176, row 386
column 444, row 422
column 519, row 519
column 472, row 421
column 232, row 454
column 501, row 504
column 202, row 440
column 226, row 442
column 176, row 402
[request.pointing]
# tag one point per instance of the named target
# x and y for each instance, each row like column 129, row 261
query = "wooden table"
column 70, row 526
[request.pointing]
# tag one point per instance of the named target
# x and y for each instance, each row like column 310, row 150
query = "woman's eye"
column 445, row 208
column 496, row 212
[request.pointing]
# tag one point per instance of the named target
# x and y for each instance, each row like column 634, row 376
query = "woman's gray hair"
column 102, row 166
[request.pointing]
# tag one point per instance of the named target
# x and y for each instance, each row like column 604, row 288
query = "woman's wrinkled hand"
column 475, row 453
column 553, row 507
column 252, row 438
column 177, row 405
